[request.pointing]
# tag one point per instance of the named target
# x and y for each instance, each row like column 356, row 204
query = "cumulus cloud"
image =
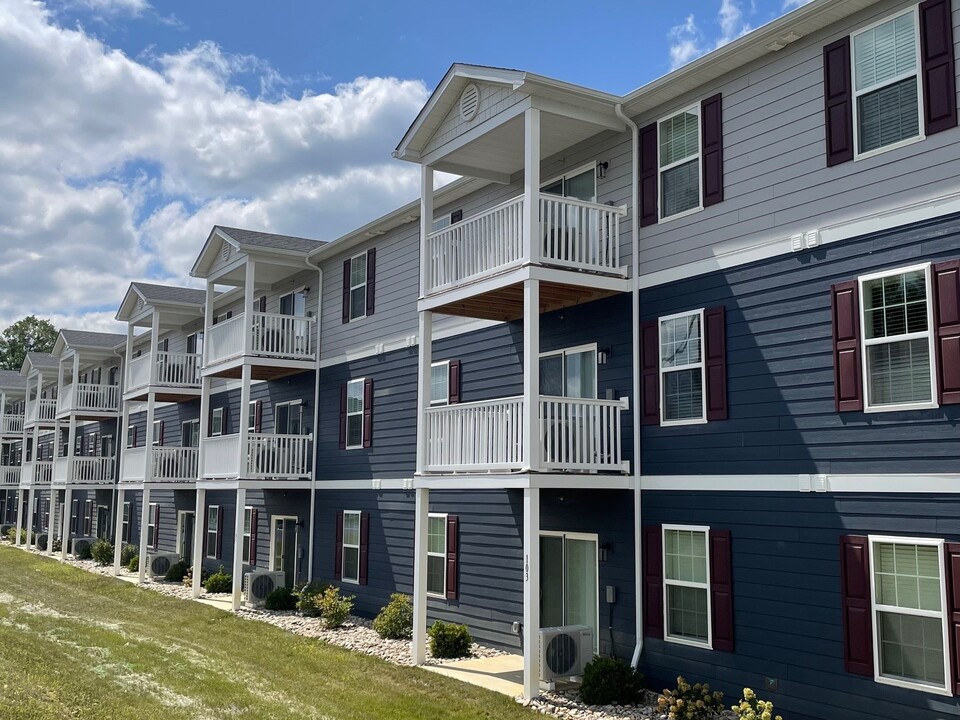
column 688, row 41
column 114, row 168
column 794, row 4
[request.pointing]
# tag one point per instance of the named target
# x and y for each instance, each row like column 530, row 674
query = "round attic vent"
column 469, row 102
column 225, row 251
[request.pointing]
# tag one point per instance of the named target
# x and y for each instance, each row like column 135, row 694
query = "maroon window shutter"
column 338, row 548
column 219, row 532
column 454, row 389
column 456, row 216
column 453, row 556
column 711, row 128
column 371, row 278
column 838, row 101
column 937, row 66
column 721, row 589
column 650, row 372
column 855, row 598
column 343, row 416
column 88, row 521
column 258, row 416
column 946, row 320
column 649, row 172
column 652, row 581
column 847, row 385
column 368, row 412
column 254, row 534
column 346, row 292
column 364, row 547
column 155, row 540
column 715, row 354
column 952, row 558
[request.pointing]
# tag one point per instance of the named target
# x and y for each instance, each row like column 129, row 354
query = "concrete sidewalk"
column 502, row 674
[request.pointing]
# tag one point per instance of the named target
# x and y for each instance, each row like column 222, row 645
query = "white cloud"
column 112, row 168
column 794, row 4
column 685, row 42
column 688, row 41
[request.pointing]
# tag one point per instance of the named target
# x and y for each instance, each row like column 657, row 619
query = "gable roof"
column 39, row 360
column 247, row 240
column 12, row 379
column 151, row 292
column 87, row 339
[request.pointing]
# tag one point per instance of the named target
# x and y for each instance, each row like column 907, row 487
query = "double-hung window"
column 678, row 139
column 216, row 422
column 213, row 530
column 158, row 432
column 358, row 286
column 886, row 83
column 686, row 584
column 355, row 413
column 440, row 383
column 247, row 533
column 897, row 338
column 190, row 434
column 252, row 416
column 351, row 546
column 125, row 526
column 682, row 399
column 288, row 418
column 437, row 555
column 910, row 630
column 153, row 537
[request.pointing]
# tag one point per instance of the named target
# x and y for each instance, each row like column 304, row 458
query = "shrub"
column 395, row 621
column 309, row 598
column 281, row 598
column 85, row 552
column 334, row 607
column 204, row 576
column 689, row 702
column 57, row 545
column 610, row 681
column 176, row 572
column 449, row 640
column 102, row 551
column 134, row 564
column 12, row 534
column 753, row 708
column 127, row 553
column 220, row 582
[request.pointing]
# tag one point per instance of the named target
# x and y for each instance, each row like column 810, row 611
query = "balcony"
column 9, row 475
column 579, row 435
column 264, row 457
column 164, row 369
column 43, row 411
column 87, row 397
column 37, row 472
column 168, row 464
column 84, row 470
column 11, row 424
column 266, row 335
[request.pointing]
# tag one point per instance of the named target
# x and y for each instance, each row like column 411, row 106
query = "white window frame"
column 251, row 416
column 155, row 436
column 443, row 594
column 274, row 519
column 247, row 533
column 705, row 529
column 302, row 290
column 586, row 167
column 693, row 366
column 290, row 405
column 213, row 513
column 216, row 417
column 362, row 383
column 187, row 427
column 181, row 514
column 223, row 317
column 445, row 400
column 197, row 342
column 577, row 350
column 353, row 287
column 595, row 539
column 921, row 134
column 875, row 608
column 929, row 334
column 661, row 218
column 152, row 525
column 343, row 554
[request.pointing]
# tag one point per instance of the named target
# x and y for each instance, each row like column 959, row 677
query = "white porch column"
column 248, row 291
column 148, row 438
column 144, row 522
column 531, row 374
column 426, row 225
column 76, row 381
column 31, row 499
column 205, row 383
column 154, row 345
column 418, row 649
column 238, row 547
column 118, row 538
column 245, row 459
column 531, row 185
column 531, row 592
column 19, row 516
column 65, row 522
column 207, row 319
column 128, row 356
column 423, row 387
column 199, row 523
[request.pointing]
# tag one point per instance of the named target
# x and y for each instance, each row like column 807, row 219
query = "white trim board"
column 900, row 483
column 733, row 253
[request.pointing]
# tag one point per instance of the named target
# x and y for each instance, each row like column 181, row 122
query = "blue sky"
column 129, row 128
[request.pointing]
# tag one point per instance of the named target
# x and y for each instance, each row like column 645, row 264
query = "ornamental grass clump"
column 751, row 707
column 690, row 702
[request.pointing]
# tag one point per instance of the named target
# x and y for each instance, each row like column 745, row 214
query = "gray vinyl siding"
column 494, row 99
column 786, row 598
column 780, row 383
column 776, row 181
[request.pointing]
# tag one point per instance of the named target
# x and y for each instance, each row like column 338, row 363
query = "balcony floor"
column 163, row 394
column 261, row 368
column 506, row 304
column 545, row 480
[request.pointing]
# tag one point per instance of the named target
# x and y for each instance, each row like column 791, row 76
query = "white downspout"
column 316, row 423
column 635, row 240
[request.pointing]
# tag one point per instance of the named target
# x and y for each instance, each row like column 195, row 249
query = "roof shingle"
column 271, row 241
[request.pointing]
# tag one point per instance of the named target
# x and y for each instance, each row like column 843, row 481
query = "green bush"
column 334, row 607
column 281, row 598
column 610, row 681
column 57, row 545
column 395, row 620
column 449, row 640
column 309, row 597
column 220, row 582
column 204, row 576
column 690, row 702
column 102, row 551
column 133, row 565
column 751, row 707
column 176, row 572
column 127, row 553
column 12, row 534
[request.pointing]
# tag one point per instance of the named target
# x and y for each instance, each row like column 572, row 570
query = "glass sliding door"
column 569, row 586
column 284, row 551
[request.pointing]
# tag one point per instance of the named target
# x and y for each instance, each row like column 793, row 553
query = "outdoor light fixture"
column 604, row 550
column 603, row 355
column 602, row 170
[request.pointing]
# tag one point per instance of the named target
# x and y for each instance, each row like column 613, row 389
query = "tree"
column 31, row 334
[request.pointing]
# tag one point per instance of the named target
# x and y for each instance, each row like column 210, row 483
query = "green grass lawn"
column 78, row 645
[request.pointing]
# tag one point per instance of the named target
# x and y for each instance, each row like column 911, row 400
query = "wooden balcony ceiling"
column 506, row 303
column 262, row 372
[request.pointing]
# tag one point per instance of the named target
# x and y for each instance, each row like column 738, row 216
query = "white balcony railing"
column 181, row 370
column 138, row 372
column 89, row 397
column 270, row 335
column 576, row 434
column 575, row 234
column 43, row 410
column 175, row 464
column 9, row 475
column 60, row 467
column 11, row 424
column 266, row 456
column 93, row 469
column 37, row 472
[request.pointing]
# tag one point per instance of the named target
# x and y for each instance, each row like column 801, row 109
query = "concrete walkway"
column 502, row 674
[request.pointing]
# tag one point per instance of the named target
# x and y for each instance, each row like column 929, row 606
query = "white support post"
column 248, row 291
column 245, row 374
column 128, row 356
column 71, row 444
column 426, row 225
column 313, row 521
column 205, row 383
column 122, row 440
column 118, row 538
column 531, row 375
column 238, row 547
column 31, row 499
column 144, row 523
column 148, row 438
column 154, row 345
column 531, row 593
column 19, row 517
column 531, row 185
column 418, row 649
column 199, row 522
column 65, row 522
column 423, row 387
column 76, row 379
column 207, row 319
